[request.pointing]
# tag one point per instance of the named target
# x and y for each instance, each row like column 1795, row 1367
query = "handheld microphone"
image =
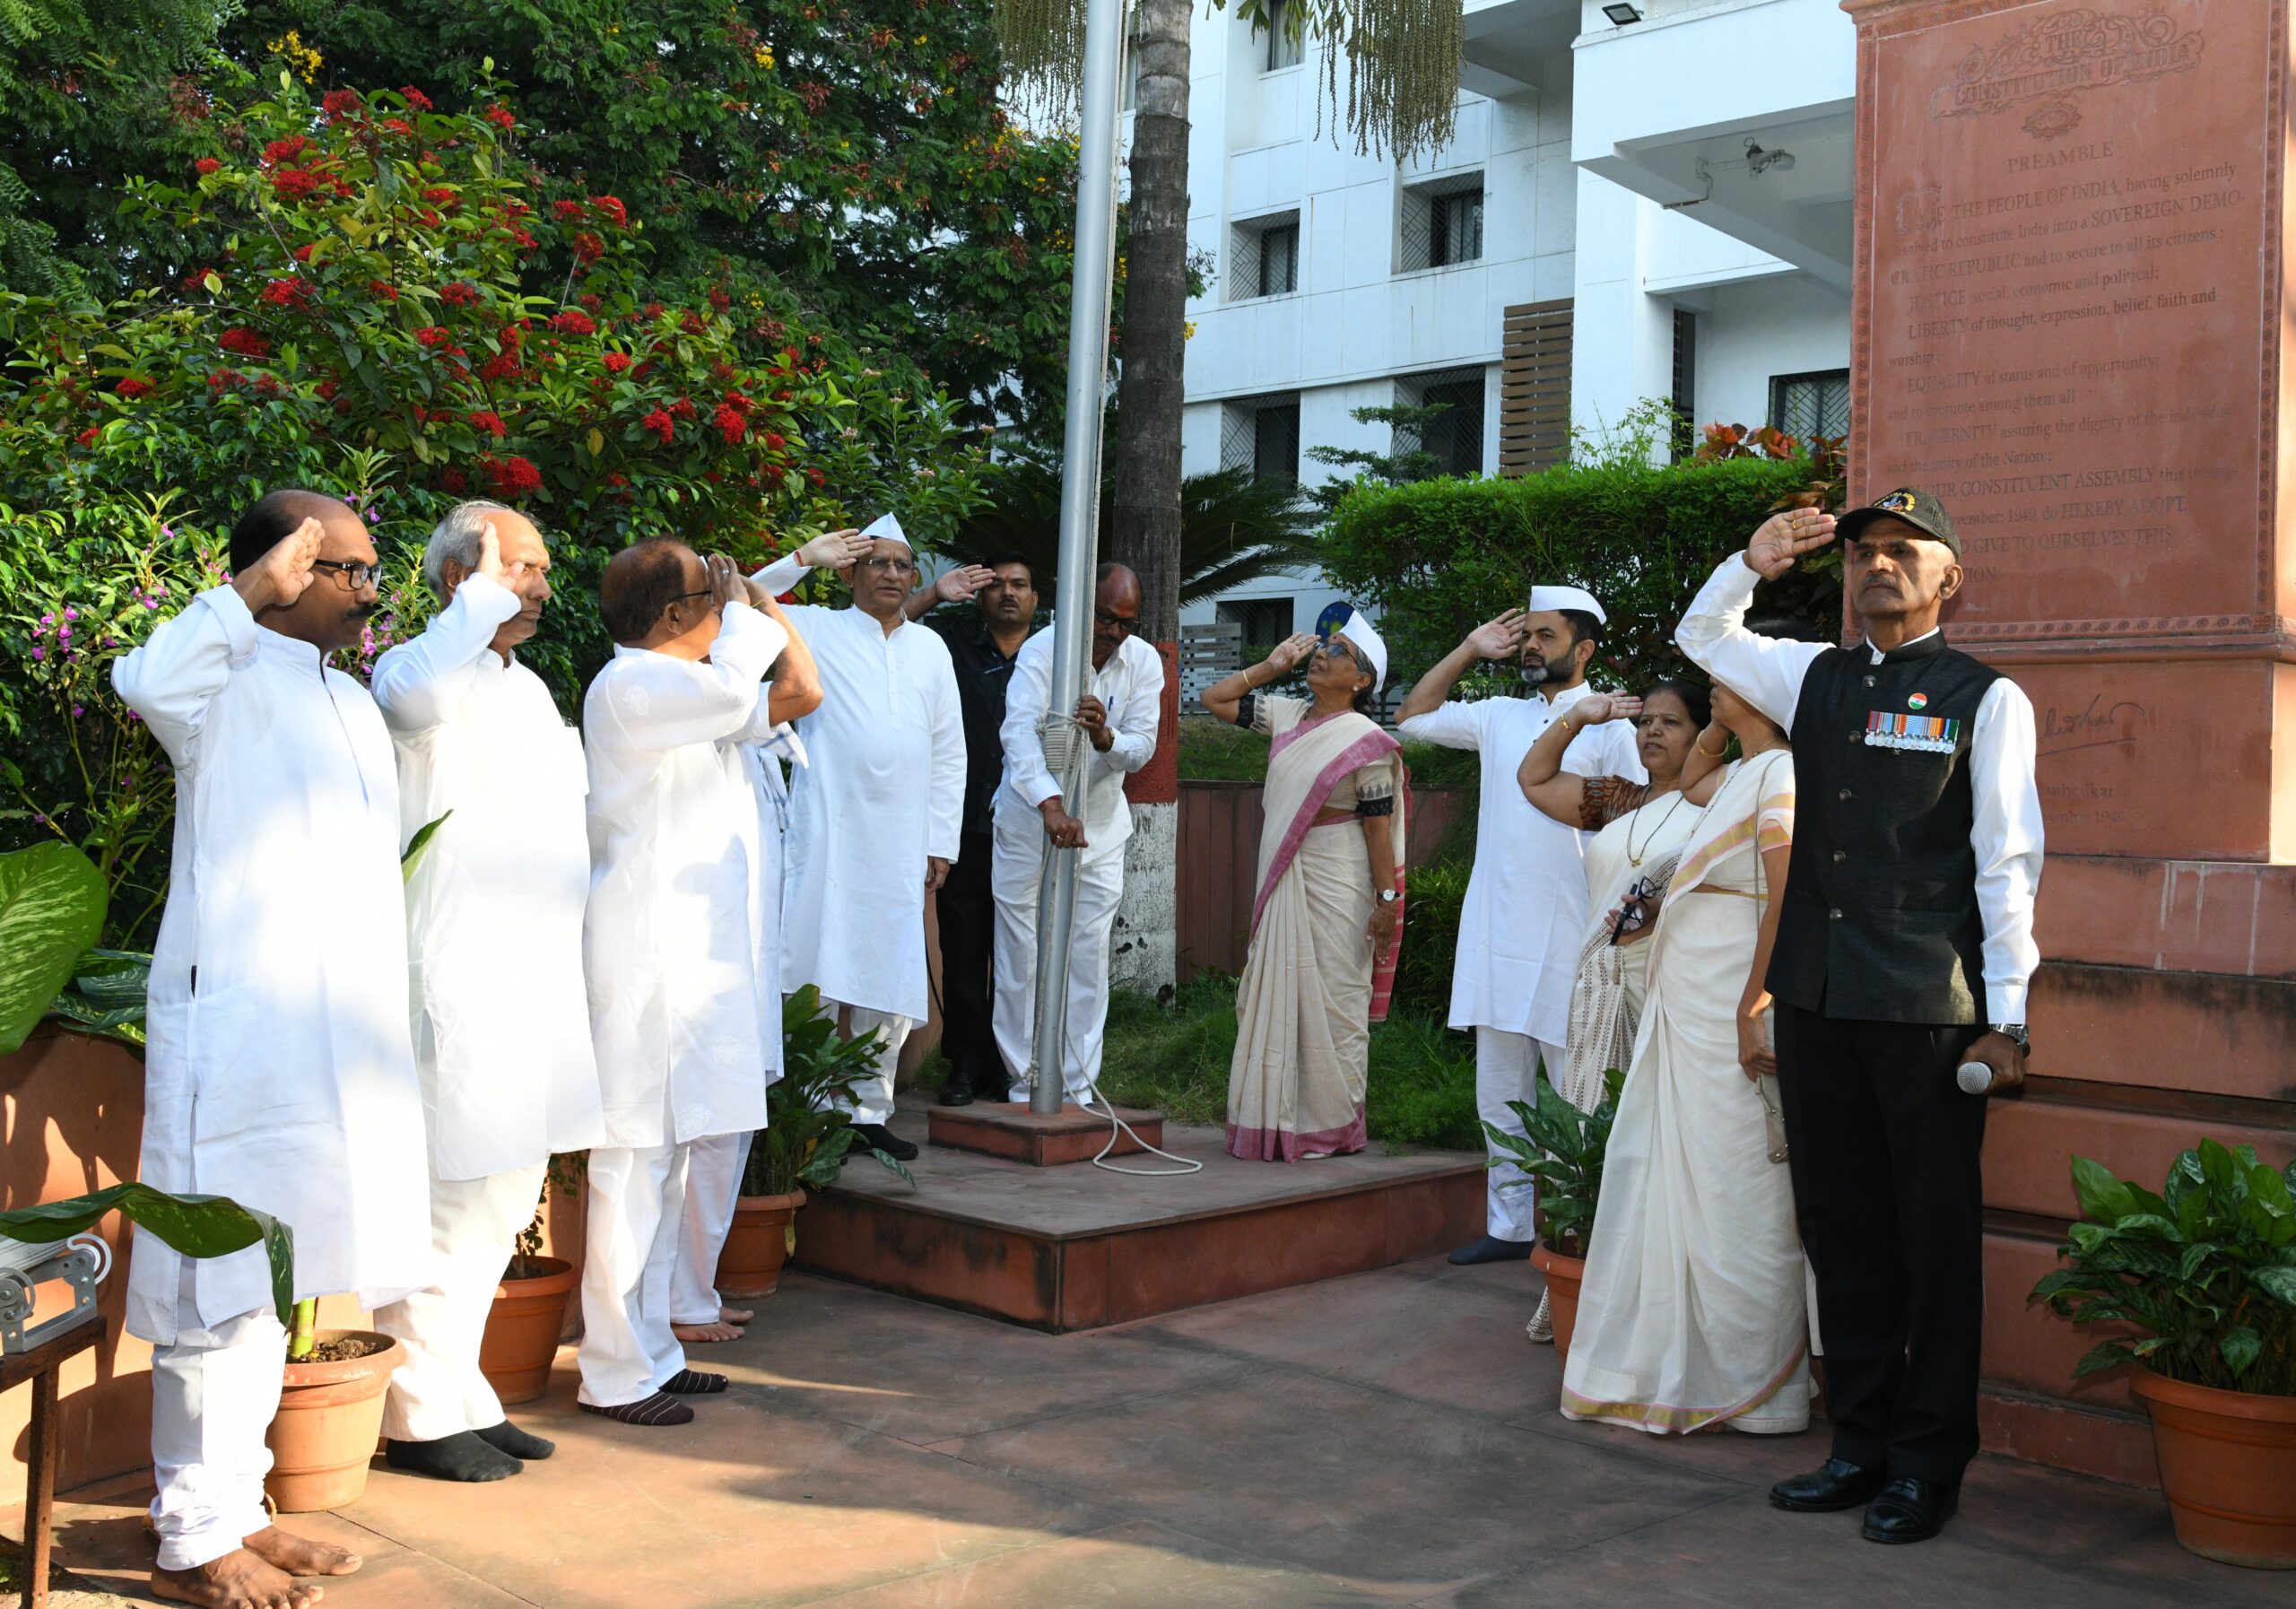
column 1975, row 1078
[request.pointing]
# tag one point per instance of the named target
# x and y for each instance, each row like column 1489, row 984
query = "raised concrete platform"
column 1082, row 1248
column 1051, row 1140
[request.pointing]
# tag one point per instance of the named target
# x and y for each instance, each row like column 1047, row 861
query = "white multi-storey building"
column 1642, row 201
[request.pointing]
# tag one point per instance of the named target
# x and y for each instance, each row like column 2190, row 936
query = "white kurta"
column 680, row 925
column 494, row 911
column 1131, row 686
column 884, row 789
column 1526, row 909
column 278, row 1069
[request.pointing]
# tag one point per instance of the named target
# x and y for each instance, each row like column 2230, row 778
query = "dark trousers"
column 968, row 918
column 1887, row 1189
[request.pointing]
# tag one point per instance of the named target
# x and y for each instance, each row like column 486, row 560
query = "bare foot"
column 734, row 1315
column 238, row 1580
column 707, row 1332
column 300, row 1555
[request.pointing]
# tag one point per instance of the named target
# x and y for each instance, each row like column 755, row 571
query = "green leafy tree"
column 1409, row 422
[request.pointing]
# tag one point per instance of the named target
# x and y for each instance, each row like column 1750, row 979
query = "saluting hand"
column 728, row 585
column 283, row 574
column 1291, row 653
column 1499, row 638
column 834, row 550
column 1785, row 537
column 957, row 586
column 1596, row 709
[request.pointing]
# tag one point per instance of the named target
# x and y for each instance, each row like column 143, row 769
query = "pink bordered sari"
column 1312, row 986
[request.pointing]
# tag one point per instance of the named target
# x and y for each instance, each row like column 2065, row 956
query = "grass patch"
column 1176, row 1060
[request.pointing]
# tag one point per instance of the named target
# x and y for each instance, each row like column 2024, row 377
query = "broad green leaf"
column 2240, row 1347
column 597, row 442
column 214, row 281
column 417, row 845
column 52, row 903
column 2277, row 1281
column 2111, row 1354
column 198, row 1226
column 2104, row 1199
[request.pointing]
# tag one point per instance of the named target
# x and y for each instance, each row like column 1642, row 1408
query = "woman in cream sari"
column 1692, row 1311
column 1640, row 831
column 1328, row 915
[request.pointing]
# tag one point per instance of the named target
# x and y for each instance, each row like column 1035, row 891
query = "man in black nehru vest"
column 1904, row 946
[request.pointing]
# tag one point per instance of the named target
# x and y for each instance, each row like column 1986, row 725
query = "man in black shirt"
column 982, row 648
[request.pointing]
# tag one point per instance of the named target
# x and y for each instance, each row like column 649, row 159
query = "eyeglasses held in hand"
column 355, row 574
column 1116, row 623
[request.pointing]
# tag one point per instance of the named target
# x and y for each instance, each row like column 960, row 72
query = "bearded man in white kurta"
column 677, row 941
column 278, row 1069
column 874, row 818
column 494, row 951
column 714, row 1163
column 1118, row 717
column 1526, row 909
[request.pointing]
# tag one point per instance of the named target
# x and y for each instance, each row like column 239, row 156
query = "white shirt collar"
column 1881, row 654
column 294, row 651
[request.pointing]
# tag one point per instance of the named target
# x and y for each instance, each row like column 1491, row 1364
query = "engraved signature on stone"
column 2096, row 724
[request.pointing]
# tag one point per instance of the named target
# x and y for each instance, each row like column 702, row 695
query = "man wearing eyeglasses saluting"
column 278, row 1012
column 875, row 817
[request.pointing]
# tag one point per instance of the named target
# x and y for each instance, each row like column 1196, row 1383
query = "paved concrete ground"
column 1387, row 1439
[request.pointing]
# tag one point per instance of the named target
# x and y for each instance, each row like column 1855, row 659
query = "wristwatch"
column 1388, row 896
column 2017, row 1031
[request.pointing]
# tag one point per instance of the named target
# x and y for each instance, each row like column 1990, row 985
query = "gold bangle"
column 1700, row 744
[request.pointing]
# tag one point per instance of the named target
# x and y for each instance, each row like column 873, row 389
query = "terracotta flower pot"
column 330, row 1417
column 757, row 1244
column 522, row 1330
column 1562, row 1276
column 2228, row 1468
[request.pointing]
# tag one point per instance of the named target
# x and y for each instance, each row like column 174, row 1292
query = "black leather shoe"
column 878, row 1137
column 1909, row 1509
column 1491, row 1249
column 1839, row 1484
column 956, row 1094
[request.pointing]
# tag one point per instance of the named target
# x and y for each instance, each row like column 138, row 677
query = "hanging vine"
column 1391, row 67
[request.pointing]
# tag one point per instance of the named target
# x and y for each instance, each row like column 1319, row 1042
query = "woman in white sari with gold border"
column 1692, row 1311
column 1328, row 920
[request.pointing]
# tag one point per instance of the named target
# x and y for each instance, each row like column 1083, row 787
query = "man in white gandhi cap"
column 1525, row 908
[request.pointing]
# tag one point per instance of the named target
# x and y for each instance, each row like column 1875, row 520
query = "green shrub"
column 1435, row 558
column 1433, row 896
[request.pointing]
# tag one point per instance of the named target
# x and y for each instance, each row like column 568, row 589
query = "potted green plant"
column 528, row 1314
column 1561, row 1149
column 807, row 1138
column 2202, row 1278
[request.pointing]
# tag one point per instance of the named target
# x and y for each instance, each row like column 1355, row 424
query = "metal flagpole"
column 1079, row 519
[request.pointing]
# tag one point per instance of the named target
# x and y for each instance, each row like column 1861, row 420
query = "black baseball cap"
column 1923, row 510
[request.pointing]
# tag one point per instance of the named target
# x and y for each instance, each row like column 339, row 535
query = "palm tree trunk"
column 1145, row 530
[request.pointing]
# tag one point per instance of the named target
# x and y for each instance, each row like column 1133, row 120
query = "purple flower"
column 150, row 603
column 70, row 614
column 39, row 653
column 63, row 633
column 48, row 620
column 133, row 717
column 77, row 711
column 167, row 530
column 39, row 821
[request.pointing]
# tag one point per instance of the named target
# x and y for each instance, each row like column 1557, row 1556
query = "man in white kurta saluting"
column 1117, row 717
column 874, row 818
column 494, row 952
column 1526, row 909
column 676, row 941
column 277, row 1015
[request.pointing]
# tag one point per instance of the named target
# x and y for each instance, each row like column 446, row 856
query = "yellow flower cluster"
column 304, row 60
column 763, row 56
column 1188, row 330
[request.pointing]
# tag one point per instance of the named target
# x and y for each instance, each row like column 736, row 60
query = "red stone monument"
column 2071, row 299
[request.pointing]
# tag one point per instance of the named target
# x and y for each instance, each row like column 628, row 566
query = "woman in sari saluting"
column 1328, row 920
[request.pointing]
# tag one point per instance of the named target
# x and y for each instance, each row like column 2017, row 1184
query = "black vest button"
column 1835, row 914
column 1844, row 795
column 1869, row 680
column 1840, row 855
column 1854, row 736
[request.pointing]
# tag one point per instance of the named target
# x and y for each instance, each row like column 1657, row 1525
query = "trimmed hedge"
column 1434, row 559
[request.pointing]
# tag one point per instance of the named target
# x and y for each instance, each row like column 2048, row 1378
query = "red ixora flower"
column 303, row 252
column 500, row 117
column 196, row 280
column 443, row 195
column 288, row 292
column 616, row 362
column 415, row 99
column 281, row 152
column 433, row 336
column 730, row 424
column 131, row 388
column 397, row 125
column 502, row 366
column 661, row 424
column 455, row 480
column 610, row 207
column 566, row 210
column 589, row 249
column 341, row 103
column 88, row 437
column 490, row 421
column 384, row 289
column 293, row 184
column 573, row 321
column 461, row 293
column 682, row 407
column 512, row 476
column 244, row 341
column 206, row 164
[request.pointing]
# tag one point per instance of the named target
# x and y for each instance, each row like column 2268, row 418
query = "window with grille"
column 1266, row 621
column 1285, row 48
column 1685, row 387
column 1262, row 434
column 1442, row 224
column 1264, row 257
column 1811, row 405
column 1454, row 436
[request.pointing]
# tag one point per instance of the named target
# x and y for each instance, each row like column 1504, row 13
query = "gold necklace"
column 1632, row 859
